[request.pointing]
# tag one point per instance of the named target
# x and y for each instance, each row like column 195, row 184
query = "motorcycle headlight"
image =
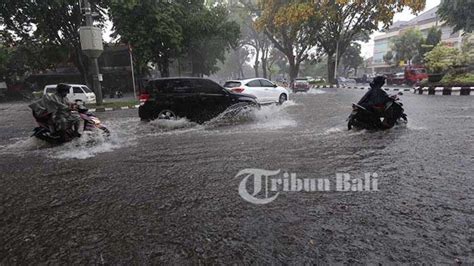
column 95, row 120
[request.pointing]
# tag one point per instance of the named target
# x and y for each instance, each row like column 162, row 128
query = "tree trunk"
column 255, row 66
column 331, row 68
column 294, row 68
column 264, row 66
column 165, row 67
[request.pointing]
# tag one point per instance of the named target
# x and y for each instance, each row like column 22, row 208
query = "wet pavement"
column 167, row 192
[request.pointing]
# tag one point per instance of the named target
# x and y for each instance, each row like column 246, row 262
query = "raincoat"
column 59, row 108
column 375, row 96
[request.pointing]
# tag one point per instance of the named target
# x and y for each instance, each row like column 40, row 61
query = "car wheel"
column 282, row 98
column 167, row 115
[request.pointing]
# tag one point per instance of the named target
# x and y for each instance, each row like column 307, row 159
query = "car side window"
column 208, row 86
column 77, row 90
column 254, row 83
column 172, row 86
column 266, row 83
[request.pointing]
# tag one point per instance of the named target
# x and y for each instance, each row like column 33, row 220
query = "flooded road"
column 167, row 191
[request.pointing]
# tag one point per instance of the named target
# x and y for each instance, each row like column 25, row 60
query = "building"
column 423, row 22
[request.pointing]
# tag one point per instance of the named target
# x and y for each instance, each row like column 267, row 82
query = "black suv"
column 197, row 99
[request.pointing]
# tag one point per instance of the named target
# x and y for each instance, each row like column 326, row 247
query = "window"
column 77, row 90
column 232, row 84
column 177, row 86
column 254, row 83
column 266, row 83
column 87, row 90
column 207, row 86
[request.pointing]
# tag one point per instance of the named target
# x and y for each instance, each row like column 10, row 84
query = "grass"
column 450, row 80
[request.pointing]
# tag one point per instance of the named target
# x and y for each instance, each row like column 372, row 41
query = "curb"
column 386, row 89
column 323, row 86
column 457, row 91
column 114, row 109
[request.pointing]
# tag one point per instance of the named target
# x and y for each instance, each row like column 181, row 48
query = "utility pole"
column 91, row 44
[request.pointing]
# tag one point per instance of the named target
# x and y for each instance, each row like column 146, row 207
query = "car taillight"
column 144, row 97
column 238, row 90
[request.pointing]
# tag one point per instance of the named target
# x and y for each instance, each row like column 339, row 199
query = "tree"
column 388, row 58
column 406, row 46
column 458, row 13
column 348, row 20
column 207, row 36
column 290, row 26
column 293, row 25
column 49, row 23
column 250, row 35
column 151, row 28
column 432, row 39
column 351, row 60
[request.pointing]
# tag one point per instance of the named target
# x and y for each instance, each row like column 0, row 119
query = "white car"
column 76, row 92
column 265, row 90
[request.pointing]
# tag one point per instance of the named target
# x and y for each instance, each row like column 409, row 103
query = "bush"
column 441, row 59
column 466, row 79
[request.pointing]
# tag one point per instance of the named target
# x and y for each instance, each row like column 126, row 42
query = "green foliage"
column 46, row 25
column 388, row 58
column 406, row 46
column 151, row 28
column 441, row 59
column 432, row 39
column 161, row 31
column 458, row 13
column 351, row 59
column 207, row 36
column 465, row 79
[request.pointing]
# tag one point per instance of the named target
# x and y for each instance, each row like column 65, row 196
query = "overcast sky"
column 368, row 48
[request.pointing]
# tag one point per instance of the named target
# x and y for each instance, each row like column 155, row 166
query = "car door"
column 77, row 94
column 255, row 88
column 177, row 95
column 270, row 90
column 213, row 99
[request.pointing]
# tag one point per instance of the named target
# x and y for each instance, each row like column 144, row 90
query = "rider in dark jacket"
column 375, row 99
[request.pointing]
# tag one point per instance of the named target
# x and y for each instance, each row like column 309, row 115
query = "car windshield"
column 232, row 84
column 86, row 89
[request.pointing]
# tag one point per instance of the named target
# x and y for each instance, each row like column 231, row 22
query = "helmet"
column 378, row 81
column 62, row 89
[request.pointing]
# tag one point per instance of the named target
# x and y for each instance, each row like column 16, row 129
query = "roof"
column 428, row 15
column 242, row 80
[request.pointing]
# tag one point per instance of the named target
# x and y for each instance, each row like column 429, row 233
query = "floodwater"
column 167, row 191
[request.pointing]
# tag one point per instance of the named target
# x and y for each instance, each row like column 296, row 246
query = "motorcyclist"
column 374, row 100
column 60, row 108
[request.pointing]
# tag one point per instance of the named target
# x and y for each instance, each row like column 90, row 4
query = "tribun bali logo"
column 259, row 186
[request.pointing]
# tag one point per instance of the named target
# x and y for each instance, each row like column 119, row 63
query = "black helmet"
column 378, row 81
column 62, row 89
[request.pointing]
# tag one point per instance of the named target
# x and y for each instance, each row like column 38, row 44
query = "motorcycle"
column 44, row 131
column 392, row 113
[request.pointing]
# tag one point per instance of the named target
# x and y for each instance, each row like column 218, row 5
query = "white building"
column 423, row 22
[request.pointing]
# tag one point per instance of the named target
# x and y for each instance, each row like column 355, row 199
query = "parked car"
column 265, row 90
column 396, row 79
column 300, row 84
column 76, row 92
column 196, row 99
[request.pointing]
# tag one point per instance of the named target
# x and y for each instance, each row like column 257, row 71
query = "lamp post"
column 92, row 47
